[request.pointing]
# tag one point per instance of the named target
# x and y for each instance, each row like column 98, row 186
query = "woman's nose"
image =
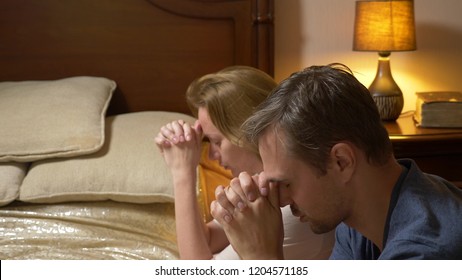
column 213, row 154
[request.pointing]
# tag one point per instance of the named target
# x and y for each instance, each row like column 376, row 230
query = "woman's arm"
column 196, row 240
column 180, row 145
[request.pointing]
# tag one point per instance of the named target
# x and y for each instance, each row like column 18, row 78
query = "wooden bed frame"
column 153, row 49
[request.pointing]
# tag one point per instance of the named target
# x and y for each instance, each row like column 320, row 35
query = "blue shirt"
column 424, row 221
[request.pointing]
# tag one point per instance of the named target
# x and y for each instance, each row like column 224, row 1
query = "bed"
column 84, row 87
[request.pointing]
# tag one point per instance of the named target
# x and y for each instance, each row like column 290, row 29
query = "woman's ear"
column 344, row 160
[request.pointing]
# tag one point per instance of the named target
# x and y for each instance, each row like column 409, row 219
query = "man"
column 326, row 153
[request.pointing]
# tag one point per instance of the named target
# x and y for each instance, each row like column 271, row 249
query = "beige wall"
column 311, row 32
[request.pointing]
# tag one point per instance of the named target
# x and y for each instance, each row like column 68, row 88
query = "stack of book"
column 439, row 109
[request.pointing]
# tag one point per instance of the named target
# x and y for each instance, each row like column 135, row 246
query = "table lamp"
column 385, row 27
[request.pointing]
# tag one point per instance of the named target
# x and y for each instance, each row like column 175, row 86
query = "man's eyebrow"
column 275, row 180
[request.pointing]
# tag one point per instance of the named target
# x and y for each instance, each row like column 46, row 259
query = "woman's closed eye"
column 215, row 142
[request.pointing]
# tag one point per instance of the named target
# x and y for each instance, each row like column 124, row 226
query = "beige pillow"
column 44, row 119
column 128, row 168
column 11, row 176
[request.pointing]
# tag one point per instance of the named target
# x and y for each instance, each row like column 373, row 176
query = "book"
column 439, row 109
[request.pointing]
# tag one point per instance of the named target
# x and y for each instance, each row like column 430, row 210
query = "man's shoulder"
column 429, row 191
column 420, row 249
column 424, row 223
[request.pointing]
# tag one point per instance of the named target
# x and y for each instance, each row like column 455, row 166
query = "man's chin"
column 304, row 219
column 320, row 228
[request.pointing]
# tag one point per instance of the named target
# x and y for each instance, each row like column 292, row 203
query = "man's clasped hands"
column 249, row 212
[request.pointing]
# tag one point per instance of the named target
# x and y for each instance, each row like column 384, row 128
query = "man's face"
column 313, row 197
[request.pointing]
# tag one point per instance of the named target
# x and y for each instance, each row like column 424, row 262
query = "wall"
column 309, row 32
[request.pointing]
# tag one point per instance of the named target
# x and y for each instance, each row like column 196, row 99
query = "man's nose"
column 284, row 197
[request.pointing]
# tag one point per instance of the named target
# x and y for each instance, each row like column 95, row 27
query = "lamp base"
column 389, row 106
column 385, row 92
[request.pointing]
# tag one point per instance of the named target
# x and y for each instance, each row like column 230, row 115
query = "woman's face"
column 230, row 156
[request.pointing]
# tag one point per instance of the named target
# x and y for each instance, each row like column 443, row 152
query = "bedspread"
column 88, row 230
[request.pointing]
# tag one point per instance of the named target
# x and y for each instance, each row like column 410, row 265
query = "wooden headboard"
column 153, row 49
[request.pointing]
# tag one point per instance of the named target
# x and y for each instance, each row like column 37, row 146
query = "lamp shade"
column 384, row 26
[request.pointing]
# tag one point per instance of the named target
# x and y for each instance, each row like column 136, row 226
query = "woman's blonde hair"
column 230, row 96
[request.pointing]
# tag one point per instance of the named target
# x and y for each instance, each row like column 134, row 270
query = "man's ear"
column 344, row 160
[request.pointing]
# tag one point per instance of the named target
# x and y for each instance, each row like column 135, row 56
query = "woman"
column 221, row 102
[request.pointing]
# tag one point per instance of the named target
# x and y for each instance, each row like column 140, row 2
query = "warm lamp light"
column 385, row 27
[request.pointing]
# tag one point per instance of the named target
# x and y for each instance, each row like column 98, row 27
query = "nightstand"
column 435, row 150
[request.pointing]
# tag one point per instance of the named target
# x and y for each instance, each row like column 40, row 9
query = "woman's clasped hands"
column 180, row 144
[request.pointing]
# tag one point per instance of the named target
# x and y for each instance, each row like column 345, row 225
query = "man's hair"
column 317, row 108
column 230, row 96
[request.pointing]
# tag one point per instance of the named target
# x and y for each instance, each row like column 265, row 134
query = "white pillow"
column 11, row 176
column 44, row 119
column 128, row 168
